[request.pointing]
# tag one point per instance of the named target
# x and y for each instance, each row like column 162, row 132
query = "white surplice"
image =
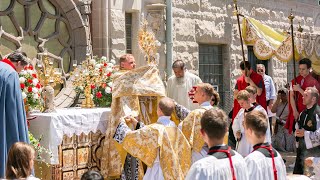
column 178, row 88
column 260, row 167
column 211, row 168
column 244, row 147
column 155, row 172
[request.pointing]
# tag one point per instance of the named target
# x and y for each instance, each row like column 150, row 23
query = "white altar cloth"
column 52, row 126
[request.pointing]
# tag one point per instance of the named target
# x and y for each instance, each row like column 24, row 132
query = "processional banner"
column 269, row 43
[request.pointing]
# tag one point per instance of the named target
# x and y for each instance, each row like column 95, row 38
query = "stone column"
column 100, row 28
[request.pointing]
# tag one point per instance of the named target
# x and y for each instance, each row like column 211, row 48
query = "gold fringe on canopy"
column 268, row 42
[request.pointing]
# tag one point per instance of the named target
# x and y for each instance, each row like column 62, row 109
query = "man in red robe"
column 298, row 86
column 252, row 79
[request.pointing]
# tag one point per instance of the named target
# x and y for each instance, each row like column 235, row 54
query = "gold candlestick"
column 87, row 77
column 49, row 77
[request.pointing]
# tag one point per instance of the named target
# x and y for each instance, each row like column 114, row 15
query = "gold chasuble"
column 137, row 90
column 149, row 141
column 191, row 129
column 191, row 126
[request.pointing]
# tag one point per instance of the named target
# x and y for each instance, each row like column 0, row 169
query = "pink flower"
column 29, row 80
column 34, row 75
column 93, row 86
column 22, row 86
column 109, row 74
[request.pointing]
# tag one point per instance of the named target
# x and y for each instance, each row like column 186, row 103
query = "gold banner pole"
column 236, row 12
column 291, row 17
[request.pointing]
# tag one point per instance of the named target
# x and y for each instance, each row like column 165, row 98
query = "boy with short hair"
column 264, row 163
column 221, row 162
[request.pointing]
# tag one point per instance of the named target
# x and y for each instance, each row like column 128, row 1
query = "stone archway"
column 60, row 26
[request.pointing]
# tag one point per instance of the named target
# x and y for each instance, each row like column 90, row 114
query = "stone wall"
column 212, row 22
column 206, row 22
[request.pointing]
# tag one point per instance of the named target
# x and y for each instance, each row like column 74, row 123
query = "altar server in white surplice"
column 264, row 163
column 246, row 99
column 221, row 163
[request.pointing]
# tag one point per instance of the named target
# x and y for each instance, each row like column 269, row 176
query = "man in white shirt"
column 222, row 162
column 180, row 84
column 270, row 91
column 264, row 163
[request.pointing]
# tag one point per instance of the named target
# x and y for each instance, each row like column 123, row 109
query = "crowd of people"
column 197, row 145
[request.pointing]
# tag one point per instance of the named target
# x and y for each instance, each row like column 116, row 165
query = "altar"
column 74, row 136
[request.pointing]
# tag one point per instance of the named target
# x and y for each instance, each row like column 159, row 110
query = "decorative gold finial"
column 300, row 29
column 291, row 16
column 235, row 8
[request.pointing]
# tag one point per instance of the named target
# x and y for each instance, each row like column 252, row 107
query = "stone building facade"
column 205, row 33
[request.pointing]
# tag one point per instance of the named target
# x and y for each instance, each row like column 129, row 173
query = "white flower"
column 110, row 84
column 98, row 66
column 35, row 96
column 23, row 72
column 91, row 96
column 103, row 58
column 35, row 81
column 24, row 95
column 35, row 90
column 113, row 61
column 29, row 71
column 108, row 90
column 81, row 88
column 93, row 61
column 108, row 70
column 22, row 80
column 110, row 65
column 40, row 90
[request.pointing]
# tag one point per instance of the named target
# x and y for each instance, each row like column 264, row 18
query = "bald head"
column 166, row 106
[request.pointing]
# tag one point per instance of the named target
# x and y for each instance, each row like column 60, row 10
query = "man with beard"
column 180, row 84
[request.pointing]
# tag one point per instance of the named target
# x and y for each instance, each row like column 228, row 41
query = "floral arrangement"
column 97, row 73
column 30, row 87
column 38, row 147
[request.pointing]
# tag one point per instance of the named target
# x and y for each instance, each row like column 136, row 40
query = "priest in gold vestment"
column 134, row 92
column 161, row 145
